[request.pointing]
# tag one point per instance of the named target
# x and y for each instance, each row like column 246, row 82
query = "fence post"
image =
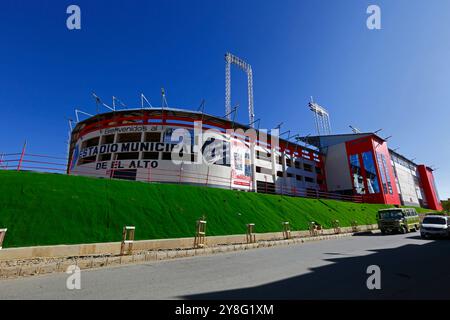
column 200, row 233
column 354, row 226
column 250, row 236
column 21, row 156
column 113, row 163
column 286, row 230
column 69, row 165
column 181, row 173
column 336, row 226
column 2, row 236
column 207, row 175
column 127, row 239
column 312, row 229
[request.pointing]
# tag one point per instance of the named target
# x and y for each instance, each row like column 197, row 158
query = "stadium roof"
column 333, row 139
column 192, row 114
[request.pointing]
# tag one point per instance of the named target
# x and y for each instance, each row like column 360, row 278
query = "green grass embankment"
column 50, row 209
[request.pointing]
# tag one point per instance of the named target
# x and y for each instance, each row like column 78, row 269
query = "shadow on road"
column 367, row 234
column 379, row 234
column 413, row 271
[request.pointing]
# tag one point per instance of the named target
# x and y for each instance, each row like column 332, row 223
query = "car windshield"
column 391, row 215
column 434, row 220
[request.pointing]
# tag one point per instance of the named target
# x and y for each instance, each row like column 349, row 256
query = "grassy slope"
column 44, row 209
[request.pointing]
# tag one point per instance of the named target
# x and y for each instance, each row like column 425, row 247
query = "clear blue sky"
column 397, row 78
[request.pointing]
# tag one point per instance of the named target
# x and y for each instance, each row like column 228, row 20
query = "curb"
column 48, row 266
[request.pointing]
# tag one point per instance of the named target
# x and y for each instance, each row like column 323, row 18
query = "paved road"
column 410, row 268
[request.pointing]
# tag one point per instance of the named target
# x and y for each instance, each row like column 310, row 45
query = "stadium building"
column 141, row 145
column 362, row 163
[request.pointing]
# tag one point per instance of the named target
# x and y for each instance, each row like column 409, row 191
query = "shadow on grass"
column 413, row 271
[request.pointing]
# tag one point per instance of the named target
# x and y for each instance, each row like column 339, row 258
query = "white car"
column 435, row 226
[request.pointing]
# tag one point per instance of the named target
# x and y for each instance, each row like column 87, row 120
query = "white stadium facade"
column 141, row 145
column 168, row 145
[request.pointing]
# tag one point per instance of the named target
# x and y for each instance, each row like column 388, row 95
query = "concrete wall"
column 337, row 169
column 113, row 248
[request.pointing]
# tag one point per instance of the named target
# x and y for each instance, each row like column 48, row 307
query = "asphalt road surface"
column 410, row 268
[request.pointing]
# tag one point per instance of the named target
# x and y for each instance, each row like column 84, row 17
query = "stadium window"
column 318, row 170
column 87, row 160
column 153, row 137
column 289, row 175
column 307, row 167
column 91, row 143
column 167, row 156
column 262, row 156
column 225, row 160
column 297, row 165
column 356, row 170
column 371, row 172
column 104, row 157
column 258, row 169
column 108, row 139
column 308, row 179
column 299, row 178
column 288, row 162
column 129, row 137
column 168, row 135
column 280, row 174
column 221, row 162
column 150, row 156
column 128, row 156
column 124, row 174
column 279, row 161
column 382, row 173
column 269, row 154
column 319, row 181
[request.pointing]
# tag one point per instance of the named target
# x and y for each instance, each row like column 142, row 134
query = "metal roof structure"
column 176, row 112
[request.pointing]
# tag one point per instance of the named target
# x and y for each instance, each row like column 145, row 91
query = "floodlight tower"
column 321, row 118
column 244, row 66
